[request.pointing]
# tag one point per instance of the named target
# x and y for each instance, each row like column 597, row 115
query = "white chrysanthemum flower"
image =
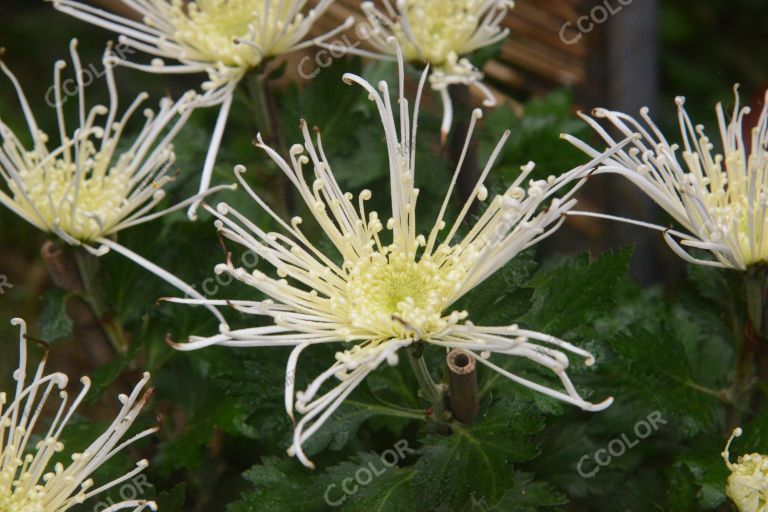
column 90, row 186
column 93, row 184
column 387, row 292
column 30, row 480
column 721, row 198
column 440, row 32
column 223, row 38
column 748, row 482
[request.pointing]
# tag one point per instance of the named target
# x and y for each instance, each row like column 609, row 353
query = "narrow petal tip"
column 601, row 406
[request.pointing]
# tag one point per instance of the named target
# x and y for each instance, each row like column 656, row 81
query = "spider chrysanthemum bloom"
column 442, row 33
column 224, row 39
column 389, row 287
column 747, row 484
column 31, row 478
column 94, row 183
column 718, row 191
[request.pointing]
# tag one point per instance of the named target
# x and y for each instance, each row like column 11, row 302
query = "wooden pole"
column 462, row 384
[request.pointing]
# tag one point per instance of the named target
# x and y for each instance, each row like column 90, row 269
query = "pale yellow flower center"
column 83, row 208
column 210, row 27
column 440, row 28
column 18, row 491
column 396, row 295
column 734, row 198
column 748, row 483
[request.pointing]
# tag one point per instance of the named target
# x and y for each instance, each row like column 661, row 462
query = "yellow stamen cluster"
column 19, row 491
column 214, row 28
column 92, row 183
column 734, row 192
column 81, row 201
column 747, row 484
column 442, row 33
column 224, row 39
column 396, row 295
column 438, row 31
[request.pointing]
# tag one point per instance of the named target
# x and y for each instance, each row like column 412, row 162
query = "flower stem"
column 756, row 288
column 756, row 332
column 257, row 90
column 429, row 390
column 267, row 119
column 752, row 356
column 92, row 294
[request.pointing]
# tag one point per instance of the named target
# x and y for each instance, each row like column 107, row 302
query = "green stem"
column 267, row 120
column 389, row 405
column 385, row 410
column 93, row 296
column 752, row 356
column 257, row 90
column 755, row 286
column 429, row 390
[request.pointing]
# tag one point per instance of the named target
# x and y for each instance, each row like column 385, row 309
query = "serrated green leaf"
column 369, row 483
column 340, row 428
column 280, row 485
column 709, row 472
column 570, row 297
column 683, row 489
column 535, row 136
column 655, row 367
column 527, row 495
column 474, row 462
column 103, row 376
column 502, row 299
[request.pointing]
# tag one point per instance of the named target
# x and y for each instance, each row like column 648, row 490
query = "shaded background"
column 644, row 55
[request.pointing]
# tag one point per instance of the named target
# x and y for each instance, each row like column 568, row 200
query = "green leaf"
column 280, row 485
column 341, row 427
column 677, row 359
column 536, row 136
column 104, row 376
column 708, row 471
column 683, row 489
column 369, row 484
column 365, row 165
column 206, row 410
column 654, row 366
column 572, row 296
column 474, row 462
column 502, row 299
column 173, row 500
column 526, row 495
column 55, row 324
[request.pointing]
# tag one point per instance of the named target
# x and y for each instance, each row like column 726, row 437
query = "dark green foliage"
column 223, row 435
column 474, row 463
column 55, row 324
